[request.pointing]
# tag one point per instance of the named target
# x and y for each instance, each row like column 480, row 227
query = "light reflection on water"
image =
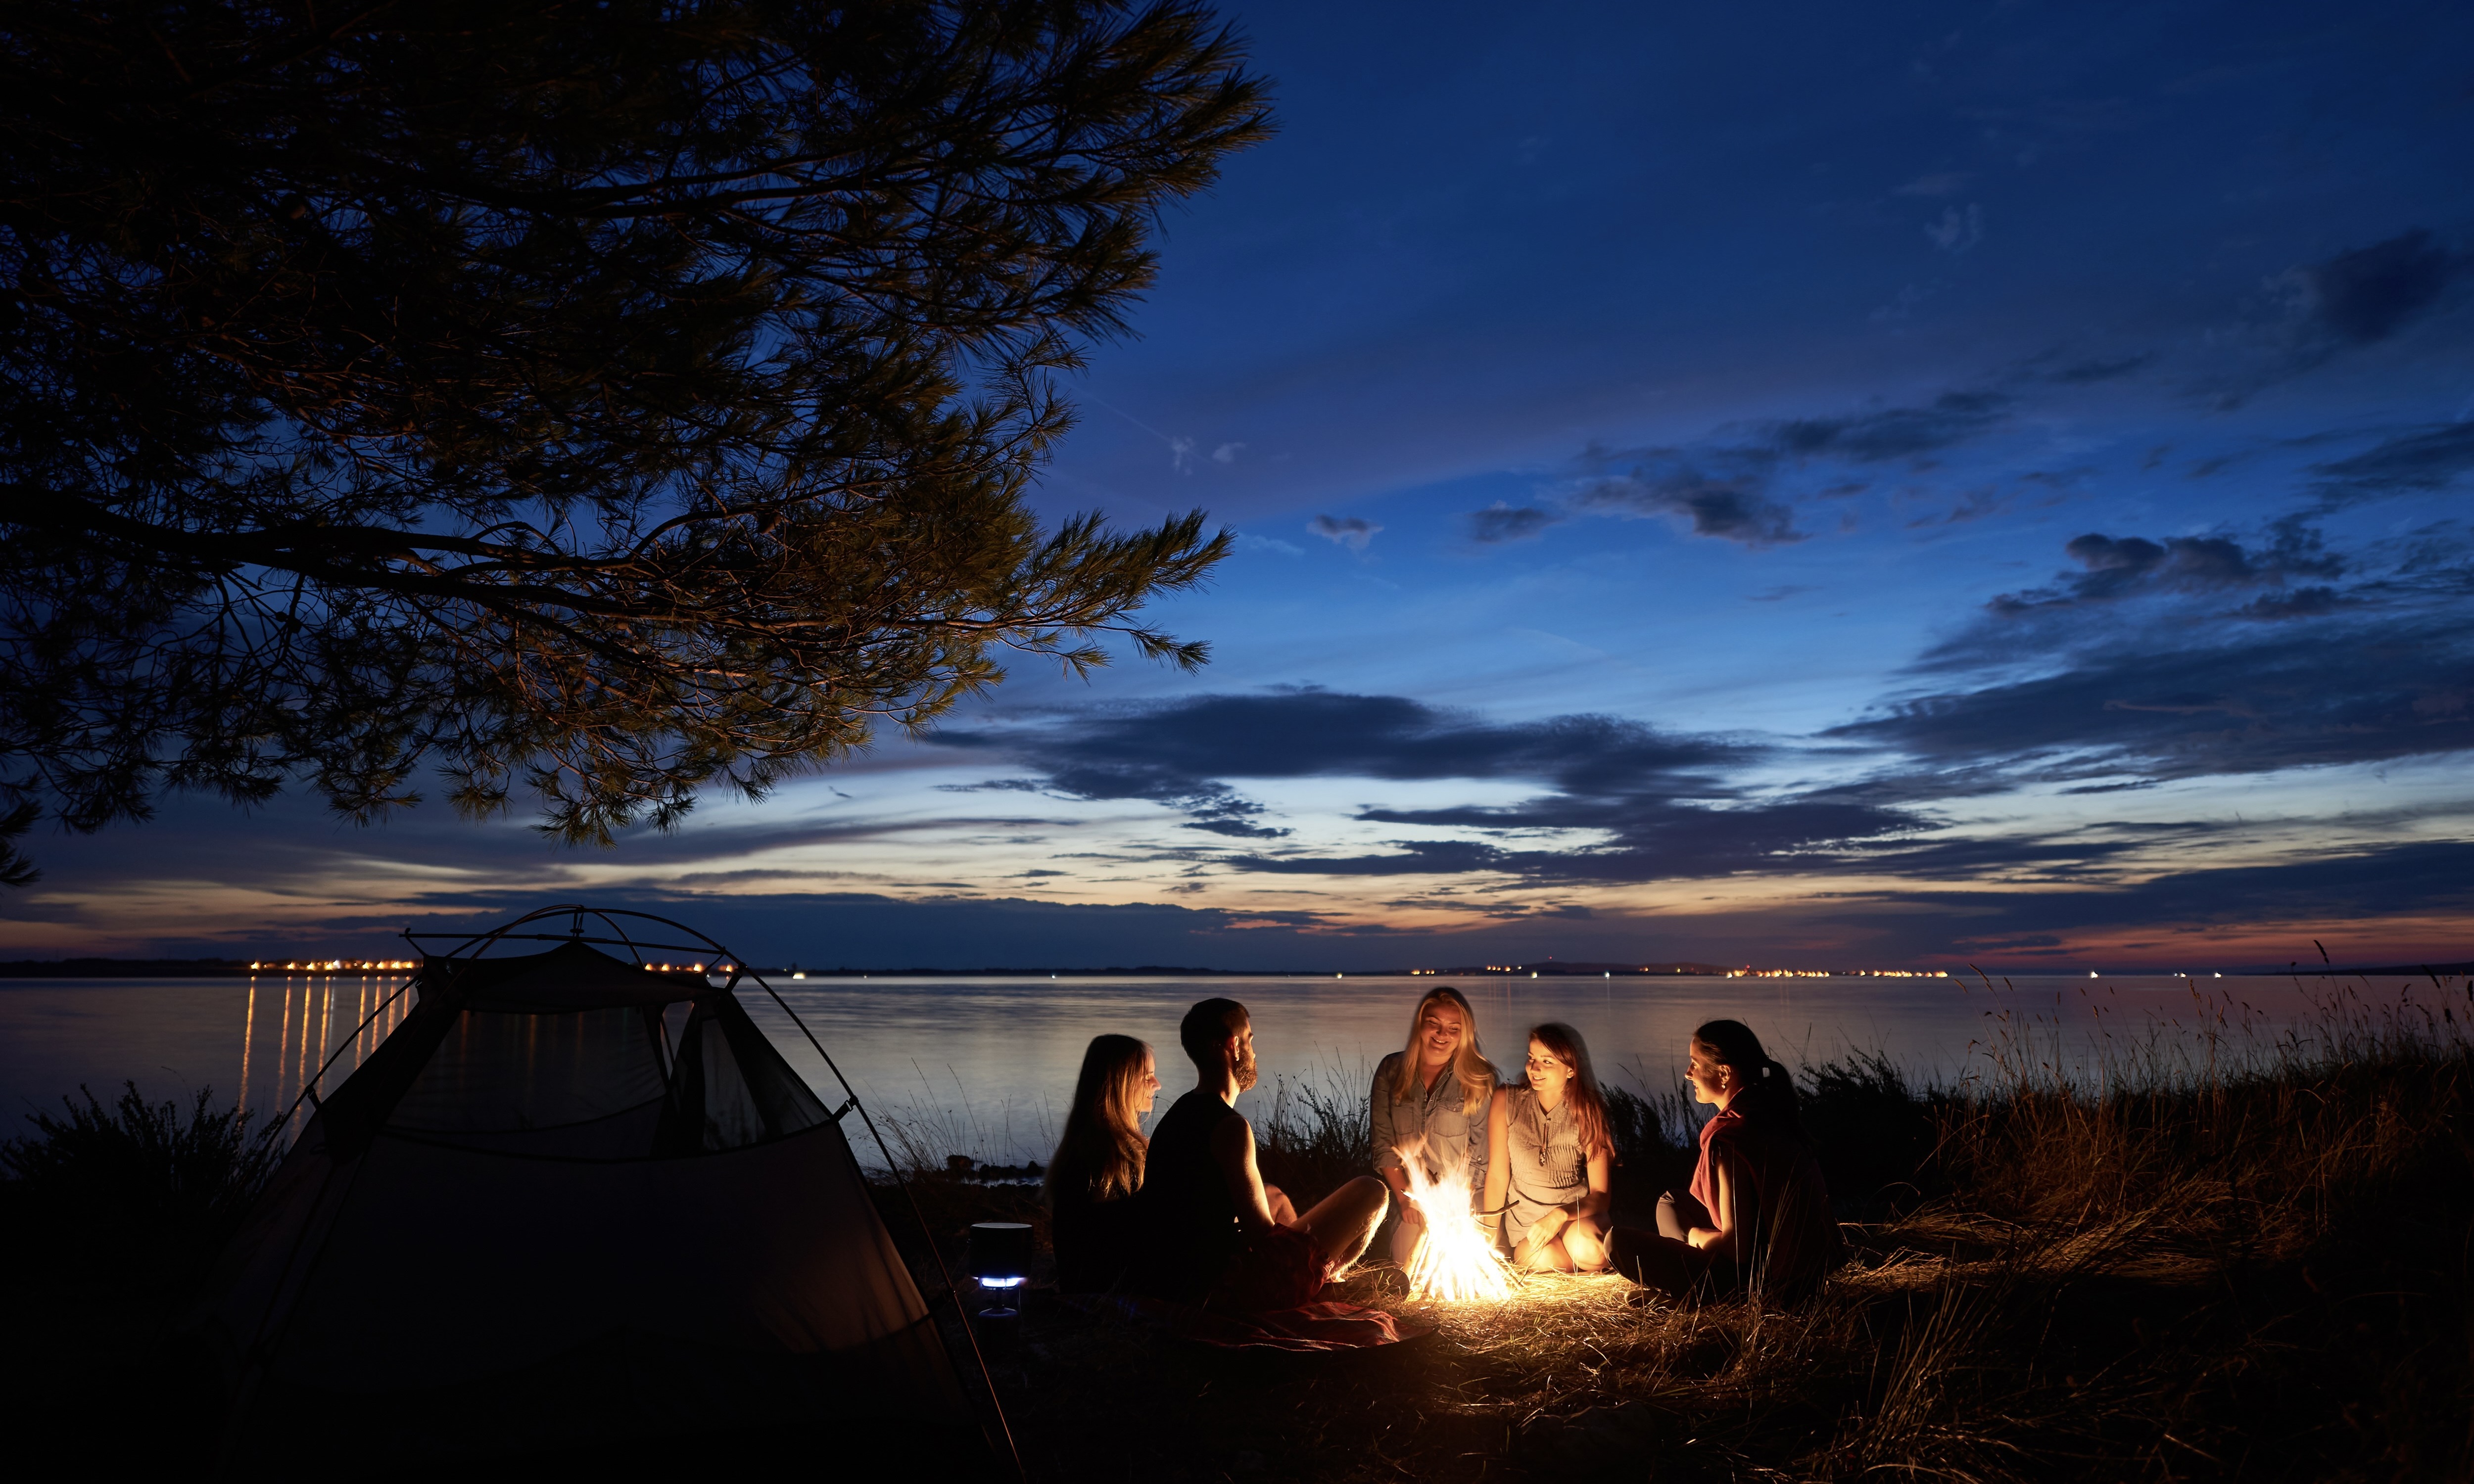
column 983, row 1066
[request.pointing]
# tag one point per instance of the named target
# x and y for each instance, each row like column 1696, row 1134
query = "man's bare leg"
column 1343, row 1222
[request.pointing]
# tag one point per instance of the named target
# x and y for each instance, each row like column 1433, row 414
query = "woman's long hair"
column 1581, row 1093
column 1768, row 1099
column 1469, row 1066
column 1101, row 1155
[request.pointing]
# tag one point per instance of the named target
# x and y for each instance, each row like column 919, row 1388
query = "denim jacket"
column 1435, row 1114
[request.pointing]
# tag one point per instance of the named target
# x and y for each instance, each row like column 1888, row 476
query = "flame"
column 1454, row 1261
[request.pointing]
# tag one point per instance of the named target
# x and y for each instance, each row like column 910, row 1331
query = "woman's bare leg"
column 1546, row 1256
column 1585, row 1242
column 1343, row 1222
column 1284, row 1211
column 1405, row 1235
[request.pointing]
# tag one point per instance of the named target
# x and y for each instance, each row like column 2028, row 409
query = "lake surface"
column 983, row 1067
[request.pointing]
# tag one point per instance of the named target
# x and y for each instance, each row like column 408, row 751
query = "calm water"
column 983, row 1067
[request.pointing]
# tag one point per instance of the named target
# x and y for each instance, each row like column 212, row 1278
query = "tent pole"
column 1005, row 1428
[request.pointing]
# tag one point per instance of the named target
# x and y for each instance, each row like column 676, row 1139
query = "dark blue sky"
column 1788, row 483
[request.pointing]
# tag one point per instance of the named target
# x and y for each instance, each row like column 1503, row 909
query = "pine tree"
column 607, row 400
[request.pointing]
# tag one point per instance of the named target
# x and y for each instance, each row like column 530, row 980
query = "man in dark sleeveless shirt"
column 1217, row 1234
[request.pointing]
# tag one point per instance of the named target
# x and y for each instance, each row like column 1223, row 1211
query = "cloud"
column 1502, row 522
column 2355, row 298
column 1957, row 229
column 1227, row 453
column 1269, row 543
column 1945, row 183
column 1722, row 492
column 1902, row 304
column 1895, row 432
column 1220, row 811
column 1238, row 829
column 2301, row 603
column 2116, row 569
column 1418, row 857
column 1654, row 805
column 1351, row 531
column 1182, row 750
column 1180, row 455
column 2369, row 293
column 2293, row 696
column 1652, row 836
column 1975, row 505
column 1729, row 489
column 1599, row 768
column 2432, row 876
column 2104, row 369
column 2426, row 460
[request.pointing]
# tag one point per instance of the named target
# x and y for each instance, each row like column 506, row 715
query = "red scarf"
column 1704, row 1185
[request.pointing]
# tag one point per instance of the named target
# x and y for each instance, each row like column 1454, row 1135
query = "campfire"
column 1455, row 1261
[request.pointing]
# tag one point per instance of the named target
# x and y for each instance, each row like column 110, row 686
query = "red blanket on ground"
column 1324, row 1325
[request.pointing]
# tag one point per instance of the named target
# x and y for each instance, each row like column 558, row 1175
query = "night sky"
column 1887, row 485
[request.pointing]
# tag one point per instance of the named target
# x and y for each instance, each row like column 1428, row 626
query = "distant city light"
column 1837, row 973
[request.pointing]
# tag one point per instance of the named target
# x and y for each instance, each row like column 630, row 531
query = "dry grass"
column 2246, row 1260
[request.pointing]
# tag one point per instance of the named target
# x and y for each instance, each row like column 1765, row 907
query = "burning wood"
column 1454, row 1261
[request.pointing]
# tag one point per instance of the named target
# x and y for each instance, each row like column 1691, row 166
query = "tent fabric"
column 571, row 976
column 561, row 1166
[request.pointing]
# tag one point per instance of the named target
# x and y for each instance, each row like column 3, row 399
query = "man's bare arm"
column 1232, row 1149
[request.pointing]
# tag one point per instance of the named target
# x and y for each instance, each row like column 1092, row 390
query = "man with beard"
column 1218, row 1237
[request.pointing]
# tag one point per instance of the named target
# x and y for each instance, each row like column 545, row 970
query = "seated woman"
column 1431, row 1099
column 1756, row 1217
column 1547, row 1177
column 1099, row 1165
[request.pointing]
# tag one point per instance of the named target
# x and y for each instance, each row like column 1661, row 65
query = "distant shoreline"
column 219, row 968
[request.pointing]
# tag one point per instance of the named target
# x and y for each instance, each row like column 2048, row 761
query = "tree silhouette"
column 604, row 400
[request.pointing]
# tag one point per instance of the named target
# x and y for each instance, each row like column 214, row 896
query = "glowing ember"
column 1454, row 1260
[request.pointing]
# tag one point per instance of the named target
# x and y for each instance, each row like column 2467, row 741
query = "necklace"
column 1545, row 1131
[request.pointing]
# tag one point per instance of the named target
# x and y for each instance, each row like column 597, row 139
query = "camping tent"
column 571, row 1202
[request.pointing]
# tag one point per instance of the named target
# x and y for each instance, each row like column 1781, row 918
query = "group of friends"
column 1185, row 1214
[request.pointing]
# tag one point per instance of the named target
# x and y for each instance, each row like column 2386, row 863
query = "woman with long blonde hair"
column 1548, row 1189
column 1099, row 1165
column 1430, row 1097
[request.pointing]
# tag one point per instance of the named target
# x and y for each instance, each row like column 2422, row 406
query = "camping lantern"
column 1000, row 1260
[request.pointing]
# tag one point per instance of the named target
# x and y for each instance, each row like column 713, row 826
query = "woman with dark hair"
column 1430, row 1100
column 1099, row 1165
column 1546, row 1180
column 1757, row 1214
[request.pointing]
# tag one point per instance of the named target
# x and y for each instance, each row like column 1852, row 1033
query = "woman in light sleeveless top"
column 1547, row 1179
